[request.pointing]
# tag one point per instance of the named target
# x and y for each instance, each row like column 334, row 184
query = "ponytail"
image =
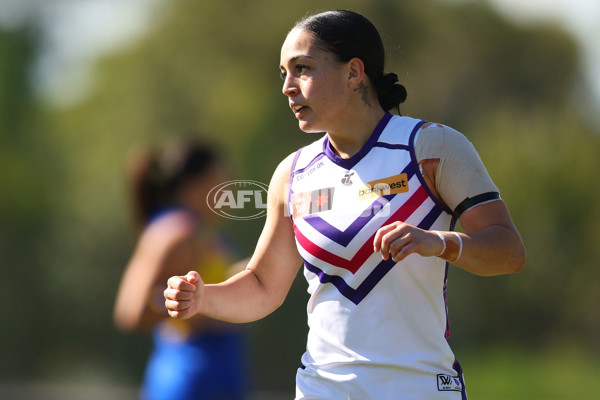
column 145, row 186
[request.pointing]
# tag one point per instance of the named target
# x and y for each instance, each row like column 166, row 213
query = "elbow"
column 516, row 255
column 513, row 262
column 269, row 299
column 128, row 321
column 125, row 323
column 516, row 262
column 520, row 259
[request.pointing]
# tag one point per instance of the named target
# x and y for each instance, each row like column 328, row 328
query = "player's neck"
column 350, row 138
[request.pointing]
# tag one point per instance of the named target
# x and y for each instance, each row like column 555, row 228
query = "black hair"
column 157, row 175
column 347, row 35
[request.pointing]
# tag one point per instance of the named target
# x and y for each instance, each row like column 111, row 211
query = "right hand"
column 183, row 294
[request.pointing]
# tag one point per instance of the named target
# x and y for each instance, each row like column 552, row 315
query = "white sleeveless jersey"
column 378, row 329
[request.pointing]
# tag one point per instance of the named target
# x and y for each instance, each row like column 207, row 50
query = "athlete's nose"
column 289, row 87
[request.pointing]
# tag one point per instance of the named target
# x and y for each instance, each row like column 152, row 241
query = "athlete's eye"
column 301, row 68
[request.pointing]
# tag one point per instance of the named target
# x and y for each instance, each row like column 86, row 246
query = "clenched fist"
column 183, row 294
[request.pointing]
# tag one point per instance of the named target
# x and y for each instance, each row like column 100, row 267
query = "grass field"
column 569, row 373
column 500, row 373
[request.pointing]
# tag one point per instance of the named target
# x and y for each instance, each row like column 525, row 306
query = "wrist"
column 452, row 246
column 443, row 239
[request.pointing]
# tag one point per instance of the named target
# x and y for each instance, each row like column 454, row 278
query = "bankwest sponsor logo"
column 382, row 187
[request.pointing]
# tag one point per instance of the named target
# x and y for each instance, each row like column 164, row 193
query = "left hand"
column 400, row 239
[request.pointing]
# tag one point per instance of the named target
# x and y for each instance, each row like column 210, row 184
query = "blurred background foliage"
column 210, row 68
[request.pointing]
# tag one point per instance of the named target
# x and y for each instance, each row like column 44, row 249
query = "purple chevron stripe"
column 430, row 218
column 358, row 294
column 344, row 237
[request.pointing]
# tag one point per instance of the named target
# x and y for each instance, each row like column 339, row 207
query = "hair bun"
column 388, row 80
column 390, row 93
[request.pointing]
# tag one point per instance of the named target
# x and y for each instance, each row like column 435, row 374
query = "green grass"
column 568, row 373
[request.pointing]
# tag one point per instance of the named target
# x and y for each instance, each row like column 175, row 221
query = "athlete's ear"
column 356, row 72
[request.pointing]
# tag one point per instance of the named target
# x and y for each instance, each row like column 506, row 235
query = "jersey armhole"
column 414, row 161
column 292, row 169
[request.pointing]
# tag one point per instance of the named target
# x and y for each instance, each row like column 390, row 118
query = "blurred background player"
column 199, row 358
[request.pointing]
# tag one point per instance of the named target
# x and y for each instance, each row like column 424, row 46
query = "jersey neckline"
column 349, row 163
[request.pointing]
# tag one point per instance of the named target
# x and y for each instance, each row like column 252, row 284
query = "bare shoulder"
column 281, row 177
column 173, row 227
column 284, row 168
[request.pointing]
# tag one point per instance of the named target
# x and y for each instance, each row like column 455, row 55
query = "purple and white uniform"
column 378, row 329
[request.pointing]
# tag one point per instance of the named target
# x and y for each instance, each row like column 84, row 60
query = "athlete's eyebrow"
column 296, row 58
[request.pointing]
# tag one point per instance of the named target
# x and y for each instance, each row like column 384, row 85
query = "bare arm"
column 258, row 290
column 491, row 245
column 163, row 249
